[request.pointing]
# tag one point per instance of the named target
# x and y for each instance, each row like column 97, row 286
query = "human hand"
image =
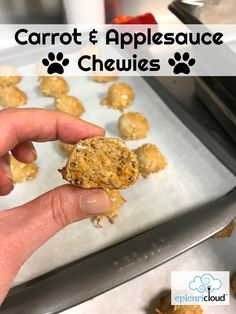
column 25, row 228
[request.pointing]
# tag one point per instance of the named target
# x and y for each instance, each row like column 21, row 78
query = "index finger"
column 41, row 125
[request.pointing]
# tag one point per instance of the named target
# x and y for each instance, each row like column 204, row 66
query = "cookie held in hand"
column 117, row 201
column 101, row 162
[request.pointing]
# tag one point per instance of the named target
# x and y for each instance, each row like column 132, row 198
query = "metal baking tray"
column 196, row 149
column 217, row 93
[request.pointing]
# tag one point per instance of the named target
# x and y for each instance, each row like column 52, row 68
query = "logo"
column 195, row 288
column 56, row 63
column 181, row 64
column 205, row 283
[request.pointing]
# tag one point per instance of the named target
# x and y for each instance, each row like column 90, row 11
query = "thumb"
column 25, row 228
column 30, row 225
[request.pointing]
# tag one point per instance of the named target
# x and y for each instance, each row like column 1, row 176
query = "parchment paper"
column 193, row 176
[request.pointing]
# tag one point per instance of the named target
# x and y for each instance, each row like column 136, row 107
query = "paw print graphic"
column 182, row 64
column 55, row 64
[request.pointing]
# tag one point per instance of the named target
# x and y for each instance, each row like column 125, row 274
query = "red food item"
column 123, row 19
column 146, row 18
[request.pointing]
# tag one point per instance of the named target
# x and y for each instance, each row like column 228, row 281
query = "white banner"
column 129, row 50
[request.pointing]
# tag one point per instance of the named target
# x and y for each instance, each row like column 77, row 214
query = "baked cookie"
column 69, row 104
column 233, row 284
column 226, row 232
column 101, row 162
column 101, row 78
column 150, row 159
column 117, row 201
column 133, row 126
column 165, row 307
column 120, row 96
column 9, row 76
column 54, row 86
column 65, row 147
column 22, row 172
column 11, row 96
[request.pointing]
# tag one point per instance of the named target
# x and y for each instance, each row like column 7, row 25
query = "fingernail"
column 34, row 154
column 95, row 202
column 103, row 130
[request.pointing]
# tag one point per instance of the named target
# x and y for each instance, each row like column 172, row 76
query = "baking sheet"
column 193, row 176
column 144, row 291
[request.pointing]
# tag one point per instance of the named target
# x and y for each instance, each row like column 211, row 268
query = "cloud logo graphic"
column 202, row 283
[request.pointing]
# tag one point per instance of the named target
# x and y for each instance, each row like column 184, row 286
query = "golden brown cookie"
column 117, row 201
column 150, row 159
column 233, row 284
column 9, row 76
column 22, row 172
column 9, row 80
column 226, row 232
column 101, row 78
column 69, row 104
column 54, row 86
column 11, row 96
column 133, row 126
column 120, row 96
column 101, row 162
column 65, row 147
column 165, row 307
